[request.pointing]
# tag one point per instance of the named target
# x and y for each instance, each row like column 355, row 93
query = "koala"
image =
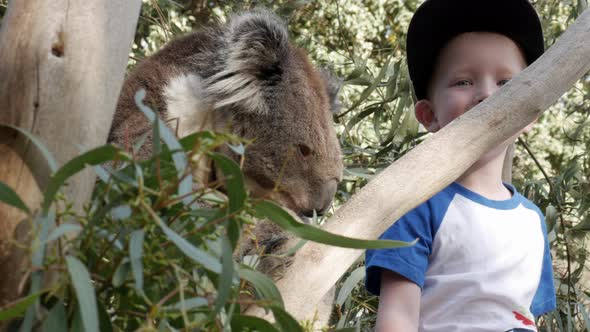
column 245, row 76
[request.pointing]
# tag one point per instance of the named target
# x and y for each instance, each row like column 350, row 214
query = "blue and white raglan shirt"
column 482, row 265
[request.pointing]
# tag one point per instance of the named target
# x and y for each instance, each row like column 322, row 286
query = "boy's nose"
column 485, row 90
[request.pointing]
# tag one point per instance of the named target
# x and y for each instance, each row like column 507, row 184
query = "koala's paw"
column 275, row 265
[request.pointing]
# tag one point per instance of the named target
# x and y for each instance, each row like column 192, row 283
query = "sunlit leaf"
column 17, row 308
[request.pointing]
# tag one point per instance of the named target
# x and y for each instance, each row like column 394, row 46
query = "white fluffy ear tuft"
column 256, row 48
column 185, row 104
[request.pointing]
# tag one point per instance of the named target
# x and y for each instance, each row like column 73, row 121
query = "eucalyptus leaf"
column 276, row 214
column 51, row 161
column 551, row 217
column 18, row 308
column 284, row 320
column 102, row 173
column 584, row 311
column 239, row 149
column 121, row 212
column 264, row 286
column 121, row 273
column 209, row 262
column 367, row 92
column 10, row 197
column 348, row 329
column 84, row 293
column 57, row 320
column 251, row 323
column 62, row 230
column 77, row 322
column 349, row 284
column 139, row 142
column 44, row 222
column 93, row 157
column 227, row 275
column 234, row 181
column 103, row 233
column 156, row 144
column 135, row 255
column 188, row 304
column 104, row 319
column 178, row 156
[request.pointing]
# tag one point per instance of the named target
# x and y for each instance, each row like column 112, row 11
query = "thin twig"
column 561, row 221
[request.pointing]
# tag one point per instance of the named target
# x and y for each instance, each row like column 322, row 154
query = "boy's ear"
column 425, row 115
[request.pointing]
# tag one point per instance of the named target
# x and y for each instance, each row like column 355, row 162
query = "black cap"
column 438, row 21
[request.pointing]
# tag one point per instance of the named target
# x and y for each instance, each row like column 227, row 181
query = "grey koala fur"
column 246, row 76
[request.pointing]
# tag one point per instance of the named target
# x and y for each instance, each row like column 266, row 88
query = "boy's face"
column 470, row 68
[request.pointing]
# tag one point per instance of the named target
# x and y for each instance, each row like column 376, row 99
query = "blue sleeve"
column 544, row 300
column 410, row 262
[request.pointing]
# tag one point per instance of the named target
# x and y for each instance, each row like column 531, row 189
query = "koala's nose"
column 322, row 199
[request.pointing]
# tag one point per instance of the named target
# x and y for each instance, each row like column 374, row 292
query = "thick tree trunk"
column 453, row 149
column 62, row 64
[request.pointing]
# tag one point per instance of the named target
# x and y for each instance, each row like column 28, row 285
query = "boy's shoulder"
column 457, row 195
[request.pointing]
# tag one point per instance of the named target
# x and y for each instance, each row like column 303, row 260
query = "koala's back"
column 193, row 53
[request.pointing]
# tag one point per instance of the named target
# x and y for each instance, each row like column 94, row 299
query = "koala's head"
column 269, row 92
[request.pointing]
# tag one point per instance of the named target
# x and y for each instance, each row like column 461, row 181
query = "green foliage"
column 150, row 253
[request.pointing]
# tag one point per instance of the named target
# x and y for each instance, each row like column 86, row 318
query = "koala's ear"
column 255, row 49
column 333, row 85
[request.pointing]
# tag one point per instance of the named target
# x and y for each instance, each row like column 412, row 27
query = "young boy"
column 482, row 260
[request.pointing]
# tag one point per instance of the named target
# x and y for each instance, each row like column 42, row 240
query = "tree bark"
column 403, row 185
column 62, row 64
column 507, row 167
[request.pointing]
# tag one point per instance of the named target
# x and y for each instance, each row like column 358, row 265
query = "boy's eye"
column 502, row 82
column 462, row 83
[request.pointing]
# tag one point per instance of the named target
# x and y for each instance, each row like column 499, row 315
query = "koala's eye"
column 304, row 150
